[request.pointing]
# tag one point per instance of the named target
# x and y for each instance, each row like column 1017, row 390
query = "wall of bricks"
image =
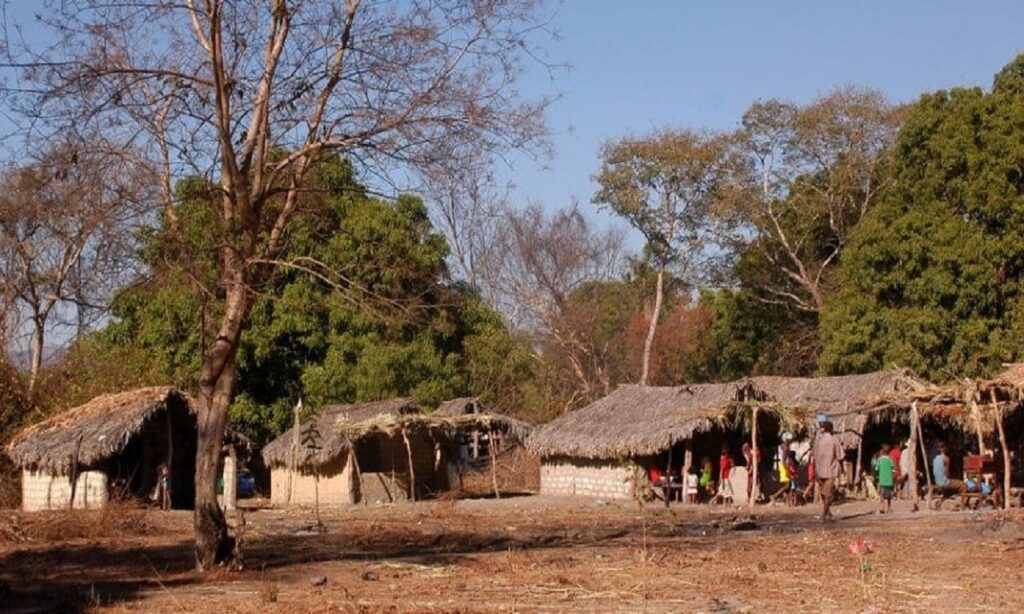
column 46, row 491
column 586, row 478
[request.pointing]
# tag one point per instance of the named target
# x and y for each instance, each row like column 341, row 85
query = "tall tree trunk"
column 216, row 385
column 36, row 354
column 649, row 342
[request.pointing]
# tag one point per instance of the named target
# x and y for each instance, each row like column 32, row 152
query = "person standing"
column 886, row 470
column 748, row 457
column 895, row 454
column 724, row 469
column 828, row 458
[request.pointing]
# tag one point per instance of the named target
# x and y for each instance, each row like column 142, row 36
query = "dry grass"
column 116, row 520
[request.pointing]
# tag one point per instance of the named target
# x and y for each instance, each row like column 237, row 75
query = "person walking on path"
column 828, row 458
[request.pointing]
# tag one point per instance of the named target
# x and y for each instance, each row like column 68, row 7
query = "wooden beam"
column 1006, row 450
column 412, row 471
column 924, row 455
column 494, row 467
column 912, row 450
column 756, row 456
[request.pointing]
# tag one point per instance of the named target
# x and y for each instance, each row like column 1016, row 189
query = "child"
column 163, row 477
column 692, row 486
column 792, row 467
column 707, row 482
column 886, row 470
column 724, row 469
column 784, row 480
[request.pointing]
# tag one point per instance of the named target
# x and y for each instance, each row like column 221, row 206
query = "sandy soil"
column 522, row 554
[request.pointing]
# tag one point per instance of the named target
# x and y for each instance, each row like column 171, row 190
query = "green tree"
column 397, row 326
column 664, row 185
column 932, row 277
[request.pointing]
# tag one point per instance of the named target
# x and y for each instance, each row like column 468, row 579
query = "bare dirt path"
column 522, row 554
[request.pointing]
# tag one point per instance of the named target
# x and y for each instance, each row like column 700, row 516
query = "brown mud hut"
column 604, row 449
column 109, row 447
column 486, row 450
column 379, row 451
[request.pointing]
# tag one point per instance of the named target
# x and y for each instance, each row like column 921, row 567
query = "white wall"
column 605, row 479
column 43, row 491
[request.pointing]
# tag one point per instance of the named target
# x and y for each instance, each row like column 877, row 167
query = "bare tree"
column 469, row 205
column 665, row 185
column 67, row 235
column 249, row 94
column 537, row 262
column 815, row 173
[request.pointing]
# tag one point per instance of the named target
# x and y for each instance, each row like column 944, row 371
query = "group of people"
column 891, row 466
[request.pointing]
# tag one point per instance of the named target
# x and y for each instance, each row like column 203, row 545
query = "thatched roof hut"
column 469, row 411
column 94, row 431
column 337, row 426
column 642, row 420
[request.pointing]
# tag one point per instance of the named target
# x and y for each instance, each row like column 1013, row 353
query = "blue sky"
column 652, row 63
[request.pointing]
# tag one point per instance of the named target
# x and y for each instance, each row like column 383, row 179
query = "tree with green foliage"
column 398, row 327
column 932, row 278
column 664, row 185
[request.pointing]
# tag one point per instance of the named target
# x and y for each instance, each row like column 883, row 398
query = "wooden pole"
column 756, row 456
column 687, row 463
column 355, row 467
column 977, row 424
column 924, row 455
column 412, row 471
column 860, row 452
column 912, row 451
column 494, row 467
column 1006, row 450
column 293, row 465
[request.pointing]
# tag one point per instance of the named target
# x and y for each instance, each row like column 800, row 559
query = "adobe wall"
column 335, row 486
column 586, row 478
column 46, row 491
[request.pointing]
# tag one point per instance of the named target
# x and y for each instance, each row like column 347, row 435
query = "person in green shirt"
column 885, row 469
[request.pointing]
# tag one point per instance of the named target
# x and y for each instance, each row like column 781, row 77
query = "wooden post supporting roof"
column 412, row 470
column 1006, row 450
column 755, row 457
column 912, row 450
column 924, row 455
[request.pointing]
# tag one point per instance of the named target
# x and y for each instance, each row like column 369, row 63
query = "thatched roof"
column 482, row 417
column 331, row 423
column 460, row 407
column 639, row 420
column 94, row 431
column 967, row 403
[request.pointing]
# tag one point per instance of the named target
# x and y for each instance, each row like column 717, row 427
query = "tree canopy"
column 932, row 277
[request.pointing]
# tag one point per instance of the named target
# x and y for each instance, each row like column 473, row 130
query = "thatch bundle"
column 641, row 420
column 340, row 426
column 467, row 411
column 92, row 432
column 331, row 423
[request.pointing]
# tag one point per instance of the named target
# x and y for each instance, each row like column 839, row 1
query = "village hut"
column 487, row 452
column 345, row 454
column 109, row 447
column 604, row 449
column 480, row 429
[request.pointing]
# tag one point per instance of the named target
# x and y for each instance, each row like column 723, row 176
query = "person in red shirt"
column 894, row 454
column 724, row 469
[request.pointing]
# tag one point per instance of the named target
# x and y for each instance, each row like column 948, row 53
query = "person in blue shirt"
column 940, row 474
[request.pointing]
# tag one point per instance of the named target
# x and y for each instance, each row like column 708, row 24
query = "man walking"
column 828, row 458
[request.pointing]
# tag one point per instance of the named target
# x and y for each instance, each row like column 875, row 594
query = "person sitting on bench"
column 940, row 471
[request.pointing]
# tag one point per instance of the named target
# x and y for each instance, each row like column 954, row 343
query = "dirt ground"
column 521, row 554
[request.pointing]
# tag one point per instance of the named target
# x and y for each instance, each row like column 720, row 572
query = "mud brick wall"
column 45, row 491
column 586, row 478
